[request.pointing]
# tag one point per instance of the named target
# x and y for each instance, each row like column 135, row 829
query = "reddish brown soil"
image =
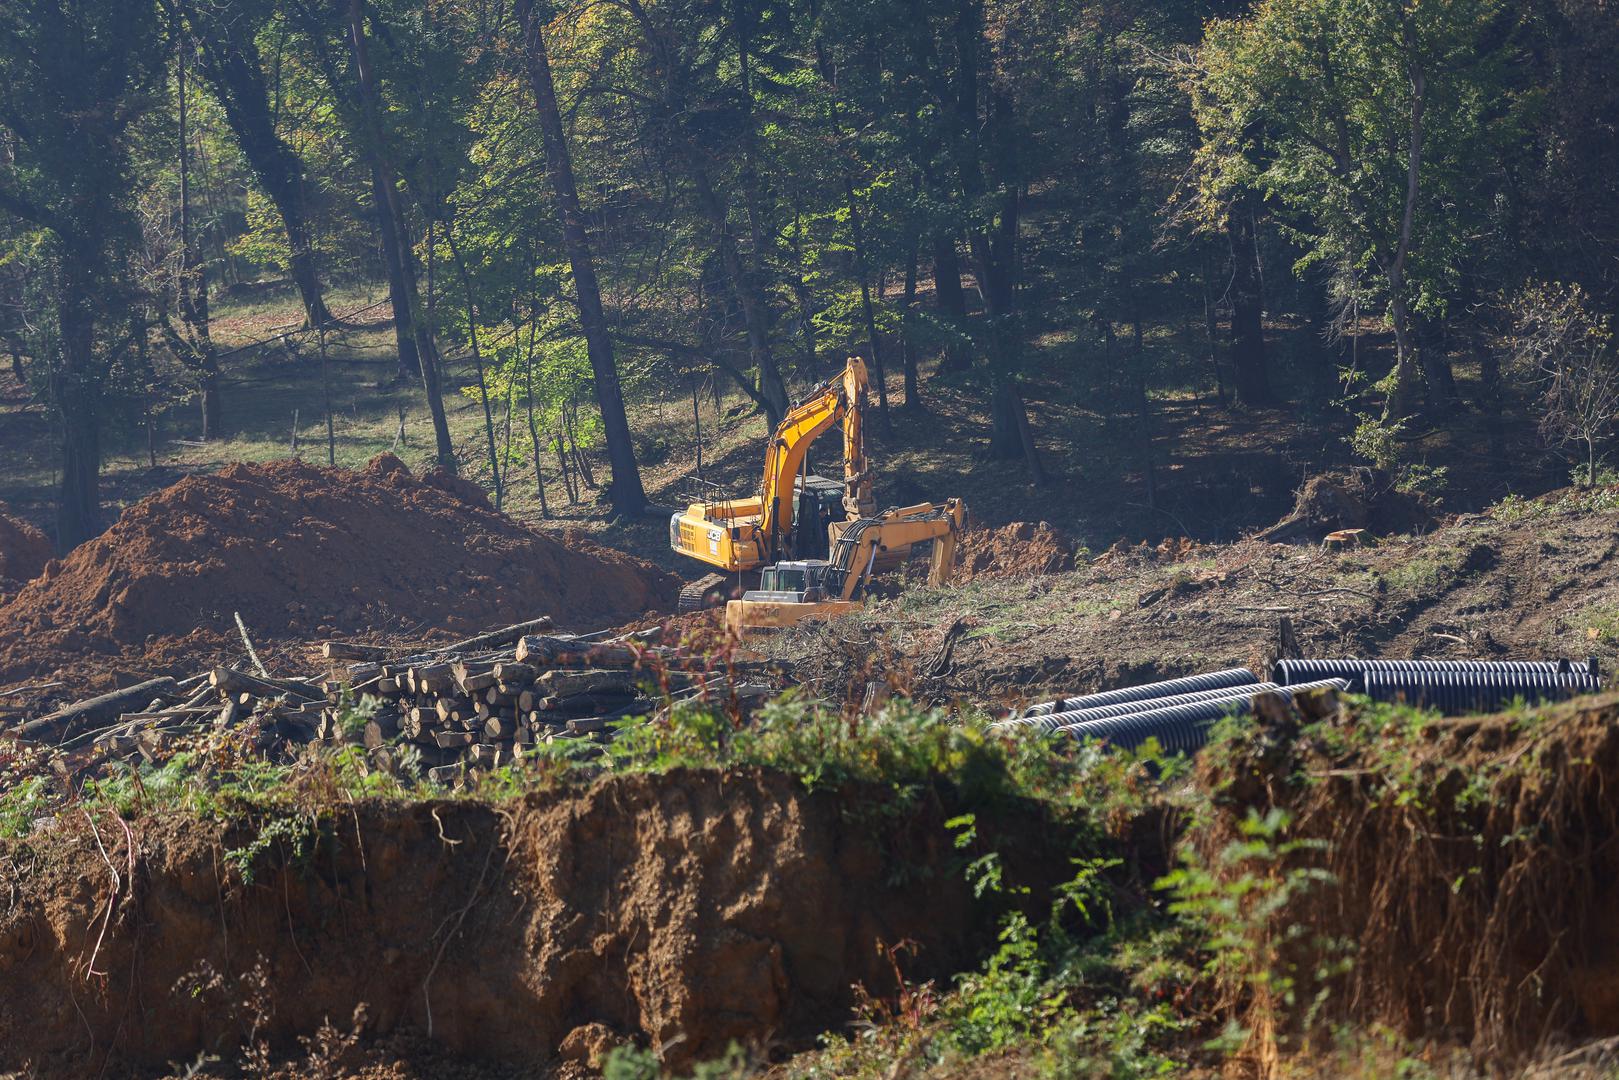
column 24, row 551
column 686, row 910
column 305, row 552
column 1470, row 871
column 1021, row 549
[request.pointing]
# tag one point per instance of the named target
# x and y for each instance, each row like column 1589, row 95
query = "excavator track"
column 705, row 592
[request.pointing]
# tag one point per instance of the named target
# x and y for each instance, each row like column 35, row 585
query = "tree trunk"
column 772, row 390
column 391, row 218
column 78, row 503
column 570, row 424
column 1211, row 330
column 951, row 300
column 76, row 392
column 235, row 73
column 879, row 373
column 994, row 261
column 1399, row 404
column 477, row 359
column 801, row 289
column 410, row 363
column 193, row 291
column 1490, row 395
column 1149, row 468
column 696, row 425
column 1437, row 377
column 528, row 393
column 1248, row 362
column 1402, row 395
column 562, row 464
column 624, row 490
column 913, row 395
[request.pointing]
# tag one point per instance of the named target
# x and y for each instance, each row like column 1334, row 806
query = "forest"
column 574, row 206
column 1182, row 653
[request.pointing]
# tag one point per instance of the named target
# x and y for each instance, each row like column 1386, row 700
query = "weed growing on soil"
column 901, row 747
column 1595, row 500
column 1056, row 997
column 1231, row 907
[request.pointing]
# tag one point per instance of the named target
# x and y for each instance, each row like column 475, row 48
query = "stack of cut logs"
column 474, row 705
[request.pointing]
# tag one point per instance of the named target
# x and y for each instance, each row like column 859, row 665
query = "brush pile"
column 450, row 712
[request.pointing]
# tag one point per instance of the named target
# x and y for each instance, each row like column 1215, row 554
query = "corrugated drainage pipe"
column 1179, row 729
column 1049, row 722
column 1213, row 680
column 1459, row 692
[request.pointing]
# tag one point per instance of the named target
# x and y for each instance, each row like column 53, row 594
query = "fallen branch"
column 251, row 652
column 68, row 721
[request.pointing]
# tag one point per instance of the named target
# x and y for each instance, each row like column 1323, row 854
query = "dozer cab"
column 794, row 590
column 795, row 512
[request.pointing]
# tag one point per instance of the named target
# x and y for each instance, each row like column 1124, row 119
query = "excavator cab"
column 820, row 503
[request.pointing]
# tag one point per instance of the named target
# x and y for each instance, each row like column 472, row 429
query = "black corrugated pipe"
column 1459, row 692
column 1288, row 672
column 1047, row 722
column 1214, row 680
column 1180, row 729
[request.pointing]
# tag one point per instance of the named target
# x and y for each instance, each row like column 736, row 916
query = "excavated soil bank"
column 685, row 910
column 24, row 551
column 1473, row 876
column 305, row 552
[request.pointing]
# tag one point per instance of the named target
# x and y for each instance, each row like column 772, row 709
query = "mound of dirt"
column 302, row 551
column 24, row 551
column 686, row 910
column 1021, row 549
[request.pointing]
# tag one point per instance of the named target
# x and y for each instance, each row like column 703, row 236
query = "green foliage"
column 1515, row 508
column 21, row 804
column 630, row 1062
column 1378, row 441
column 1327, row 86
column 1600, row 475
column 1234, row 904
column 1568, row 349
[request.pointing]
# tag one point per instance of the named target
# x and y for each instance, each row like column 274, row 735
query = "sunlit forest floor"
column 1216, row 472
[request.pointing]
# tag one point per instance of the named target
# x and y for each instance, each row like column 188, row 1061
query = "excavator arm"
column 897, row 530
column 840, row 399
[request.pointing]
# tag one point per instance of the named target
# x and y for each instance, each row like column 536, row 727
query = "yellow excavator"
column 795, row 512
column 793, row 591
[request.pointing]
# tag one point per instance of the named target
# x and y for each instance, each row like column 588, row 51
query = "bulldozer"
column 795, row 512
column 795, row 590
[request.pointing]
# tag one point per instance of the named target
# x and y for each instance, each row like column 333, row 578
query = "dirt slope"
column 1470, row 872
column 685, row 910
column 301, row 552
column 1539, row 582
